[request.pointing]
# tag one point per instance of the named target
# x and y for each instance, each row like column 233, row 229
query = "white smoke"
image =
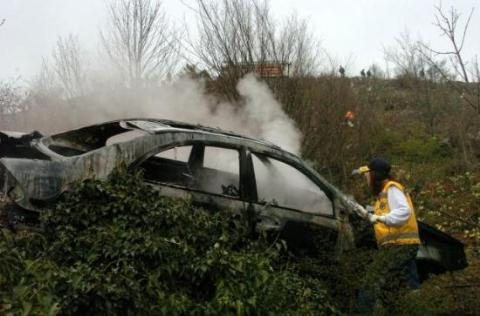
column 258, row 114
column 266, row 113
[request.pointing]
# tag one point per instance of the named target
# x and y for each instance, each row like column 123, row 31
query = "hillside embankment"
column 425, row 128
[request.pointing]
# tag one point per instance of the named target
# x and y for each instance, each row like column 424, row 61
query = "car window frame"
column 304, row 171
column 192, row 163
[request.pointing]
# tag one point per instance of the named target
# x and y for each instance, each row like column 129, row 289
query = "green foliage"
column 431, row 301
column 420, row 150
column 452, row 204
column 118, row 247
column 448, row 294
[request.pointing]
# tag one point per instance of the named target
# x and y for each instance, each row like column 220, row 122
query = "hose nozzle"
column 360, row 170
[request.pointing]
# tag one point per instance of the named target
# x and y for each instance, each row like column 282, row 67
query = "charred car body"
column 216, row 168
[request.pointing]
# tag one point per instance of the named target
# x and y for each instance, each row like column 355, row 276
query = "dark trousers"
column 392, row 273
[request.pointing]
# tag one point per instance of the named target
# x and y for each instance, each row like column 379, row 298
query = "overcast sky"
column 355, row 30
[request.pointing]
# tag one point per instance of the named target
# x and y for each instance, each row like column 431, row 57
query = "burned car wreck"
column 212, row 167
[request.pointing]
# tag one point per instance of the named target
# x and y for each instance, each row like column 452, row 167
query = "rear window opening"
column 215, row 171
column 77, row 142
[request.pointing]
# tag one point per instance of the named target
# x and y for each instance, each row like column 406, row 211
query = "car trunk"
column 438, row 252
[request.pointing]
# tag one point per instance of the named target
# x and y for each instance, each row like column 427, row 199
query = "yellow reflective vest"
column 398, row 235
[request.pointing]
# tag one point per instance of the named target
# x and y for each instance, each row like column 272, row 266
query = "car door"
column 209, row 174
column 290, row 202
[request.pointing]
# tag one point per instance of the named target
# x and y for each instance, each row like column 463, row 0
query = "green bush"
column 413, row 149
column 421, row 150
column 118, row 247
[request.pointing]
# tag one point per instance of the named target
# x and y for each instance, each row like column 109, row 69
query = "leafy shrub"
column 452, row 204
column 420, row 150
column 416, row 149
column 118, row 247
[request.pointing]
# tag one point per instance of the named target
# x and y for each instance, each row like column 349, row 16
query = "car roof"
column 198, row 127
column 155, row 126
column 94, row 136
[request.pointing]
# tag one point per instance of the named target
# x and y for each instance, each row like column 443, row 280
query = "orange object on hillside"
column 349, row 116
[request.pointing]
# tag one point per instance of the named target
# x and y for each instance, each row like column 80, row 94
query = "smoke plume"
column 258, row 114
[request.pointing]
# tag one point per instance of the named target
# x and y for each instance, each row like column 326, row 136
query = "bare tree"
column 468, row 97
column 45, row 85
column 10, row 98
column 69, row 66
column 447, row 23
column 405, row 56
column 297, row 45
column 376, row 71
column 475, row 73
column 237, row 36
column 336, row 65
column 12, row 101
column 139, row 40
column 229, row 36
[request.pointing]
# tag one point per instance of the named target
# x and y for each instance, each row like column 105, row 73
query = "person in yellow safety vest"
column 393, row 269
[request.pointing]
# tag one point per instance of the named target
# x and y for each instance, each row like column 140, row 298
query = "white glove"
column 369, row 209
column 374, row 218
column 362, row 210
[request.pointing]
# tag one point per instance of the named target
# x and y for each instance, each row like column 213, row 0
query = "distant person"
column 369, row 73
column 362, row 73
column 422, row 73
column 341, row 70
column 393, row 269
column 349, row 117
